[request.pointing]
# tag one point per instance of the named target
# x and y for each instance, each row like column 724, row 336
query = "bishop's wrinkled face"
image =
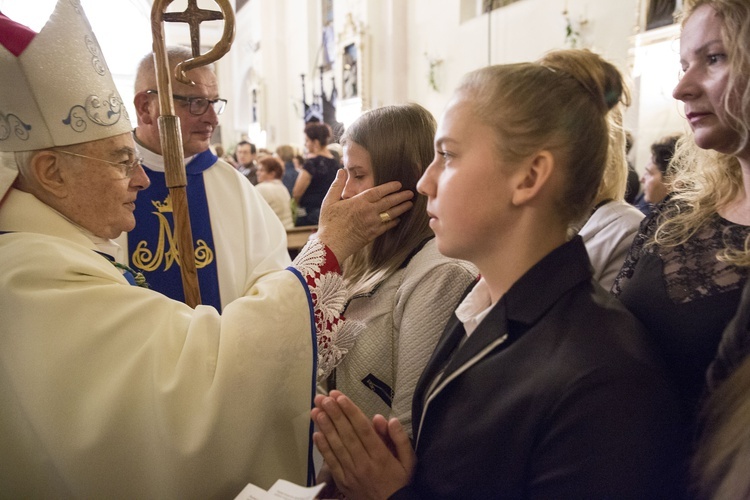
column 100, row 198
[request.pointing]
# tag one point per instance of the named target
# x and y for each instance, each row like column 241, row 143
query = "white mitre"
column 57, row 90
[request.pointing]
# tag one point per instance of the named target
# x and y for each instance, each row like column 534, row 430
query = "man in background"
column 237, row 236
column 247, row 161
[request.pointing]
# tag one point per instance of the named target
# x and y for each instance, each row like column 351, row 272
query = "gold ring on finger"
column 385, row 218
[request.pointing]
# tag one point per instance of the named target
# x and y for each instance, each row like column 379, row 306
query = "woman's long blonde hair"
column 705, row 180
column 399, row 140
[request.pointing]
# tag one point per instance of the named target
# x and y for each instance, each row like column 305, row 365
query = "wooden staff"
column 169, row 124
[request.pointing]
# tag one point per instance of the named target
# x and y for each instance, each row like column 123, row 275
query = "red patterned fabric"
column 324, row 323
column 322, row 273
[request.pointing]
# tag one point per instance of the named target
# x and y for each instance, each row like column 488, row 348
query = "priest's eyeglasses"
column 198, row 105
column 127, row 168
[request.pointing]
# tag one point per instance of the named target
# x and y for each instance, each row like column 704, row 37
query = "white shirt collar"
column 475, row 307
column 110, row 247
column 153, row 160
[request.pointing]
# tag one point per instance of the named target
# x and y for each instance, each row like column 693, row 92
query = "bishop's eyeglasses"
column 127, row 168
column 198, row 105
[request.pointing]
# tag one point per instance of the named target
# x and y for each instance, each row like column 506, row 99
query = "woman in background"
column 685, row 272
column 722, row 461
column 399, row 287
column 654, row 179
column 270, row 171
column 316, row 175
column 285, row 152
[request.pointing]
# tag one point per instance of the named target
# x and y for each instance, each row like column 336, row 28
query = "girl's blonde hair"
column 559, row 104
column 615, row 177
column 706, row 180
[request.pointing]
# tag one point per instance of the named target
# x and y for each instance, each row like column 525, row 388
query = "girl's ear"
column 534, row 175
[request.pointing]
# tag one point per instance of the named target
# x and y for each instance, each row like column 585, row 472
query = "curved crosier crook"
column 194, row 16
column 169, row 124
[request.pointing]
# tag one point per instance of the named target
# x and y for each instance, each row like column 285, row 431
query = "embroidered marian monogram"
column 166, row 249
column 152, row 245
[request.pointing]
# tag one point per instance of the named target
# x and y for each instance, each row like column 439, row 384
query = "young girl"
column 399, row 286
column 543, row 385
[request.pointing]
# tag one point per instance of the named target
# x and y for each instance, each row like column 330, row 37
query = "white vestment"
column 111, row 390
column 249, row 240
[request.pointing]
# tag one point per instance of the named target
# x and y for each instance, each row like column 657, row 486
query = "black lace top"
column 323, row 172
column 685, row 296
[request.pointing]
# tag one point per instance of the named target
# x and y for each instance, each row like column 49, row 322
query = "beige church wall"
column 655, row 113
column 277, row 40
column 274, row 44
column 521, row 31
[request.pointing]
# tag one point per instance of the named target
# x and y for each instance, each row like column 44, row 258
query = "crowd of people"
column 485, row 309
column 306, row 176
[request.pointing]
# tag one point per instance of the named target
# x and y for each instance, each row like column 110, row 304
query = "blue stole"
column 152, row 245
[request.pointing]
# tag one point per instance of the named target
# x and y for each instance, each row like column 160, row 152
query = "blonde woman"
column 285, row 152
column 399, row 287
column 685, row 272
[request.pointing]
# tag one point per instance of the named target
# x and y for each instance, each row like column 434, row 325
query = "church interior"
column 429, row 252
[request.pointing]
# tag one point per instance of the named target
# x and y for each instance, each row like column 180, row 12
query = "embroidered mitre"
column 55, row 87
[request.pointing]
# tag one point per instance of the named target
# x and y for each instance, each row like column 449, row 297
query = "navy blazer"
column 557, row 394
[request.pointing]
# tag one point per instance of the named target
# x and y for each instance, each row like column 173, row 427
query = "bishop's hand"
column 346, row 226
